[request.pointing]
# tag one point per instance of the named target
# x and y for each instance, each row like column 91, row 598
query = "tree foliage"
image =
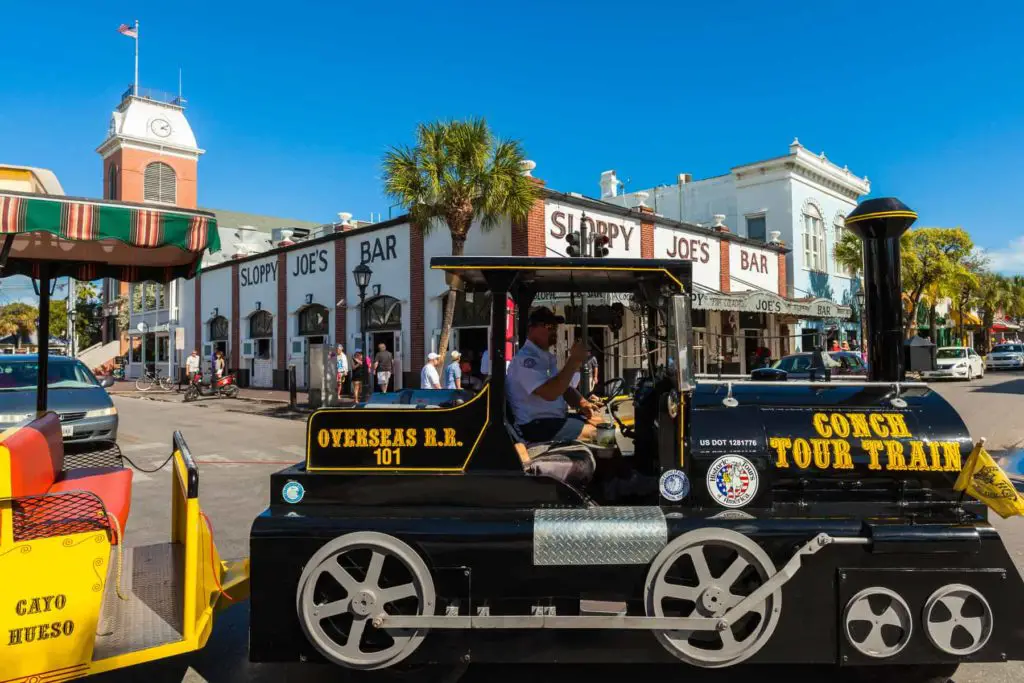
column 932, row 259
column 18, row 319
column 458, row 173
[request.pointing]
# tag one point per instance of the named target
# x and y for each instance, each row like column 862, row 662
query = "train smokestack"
column 880, row 223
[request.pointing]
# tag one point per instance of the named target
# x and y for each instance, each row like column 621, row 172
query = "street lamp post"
column 362, row 274
column 859, row 296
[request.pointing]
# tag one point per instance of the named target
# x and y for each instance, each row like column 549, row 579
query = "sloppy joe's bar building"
column 265, row 312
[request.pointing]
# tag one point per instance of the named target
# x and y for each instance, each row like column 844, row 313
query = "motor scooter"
column 199, row 386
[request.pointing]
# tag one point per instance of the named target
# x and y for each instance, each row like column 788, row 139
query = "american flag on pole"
column 126, row 30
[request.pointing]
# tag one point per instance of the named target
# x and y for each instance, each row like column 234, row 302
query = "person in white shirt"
column 192, row 365
column 429, row 379
column 342, row 360
column 537, row 390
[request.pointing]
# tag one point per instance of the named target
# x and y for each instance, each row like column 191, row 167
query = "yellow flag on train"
column 983, row 479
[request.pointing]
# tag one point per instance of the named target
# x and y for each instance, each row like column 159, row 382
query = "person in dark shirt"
column 383, row 366
column 360, row 376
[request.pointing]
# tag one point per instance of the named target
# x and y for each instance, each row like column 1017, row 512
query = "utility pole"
column 585, row 248
column 72, row 350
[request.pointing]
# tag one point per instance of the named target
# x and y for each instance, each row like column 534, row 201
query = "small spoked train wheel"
column 353, row 579
column 704, row 573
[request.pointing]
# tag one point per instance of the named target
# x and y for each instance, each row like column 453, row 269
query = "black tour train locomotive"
column 784, row 522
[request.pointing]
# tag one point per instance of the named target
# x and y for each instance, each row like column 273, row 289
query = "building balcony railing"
column 154, row 96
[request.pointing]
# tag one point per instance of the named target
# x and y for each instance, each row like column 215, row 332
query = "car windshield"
column 793, row 364
column 1008, row 348
column 20, row 375
column 951, row 353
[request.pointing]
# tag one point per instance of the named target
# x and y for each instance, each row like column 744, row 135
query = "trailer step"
column 151, row 579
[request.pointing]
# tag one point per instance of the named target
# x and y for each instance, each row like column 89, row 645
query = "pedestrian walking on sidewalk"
column 453, row 373
column 383, row 366
column 360, row 375
column 429, row 379
column 342, row 360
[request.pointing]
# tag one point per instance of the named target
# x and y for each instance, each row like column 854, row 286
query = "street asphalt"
column 237, row 446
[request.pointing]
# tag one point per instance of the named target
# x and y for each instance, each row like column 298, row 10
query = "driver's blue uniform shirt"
column 530, row 368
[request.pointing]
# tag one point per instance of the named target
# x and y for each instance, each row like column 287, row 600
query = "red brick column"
column 197, row 336
column 340, row 281
column 528, row 235
column 282, row 309
column 724, row 279
column 236, row 319
column 646, row 232
column 417, row 353
column 782, row 274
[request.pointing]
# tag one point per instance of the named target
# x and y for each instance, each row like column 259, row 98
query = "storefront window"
column 261, row 324
column 219, row 329
column 162, row 347
column 313, row 320
column 383, row 313
column 476, row 313
column 137, row 298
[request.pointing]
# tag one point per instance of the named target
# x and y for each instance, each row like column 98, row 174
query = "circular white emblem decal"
column 674, row 485
column 732, row 481
column 293, row 492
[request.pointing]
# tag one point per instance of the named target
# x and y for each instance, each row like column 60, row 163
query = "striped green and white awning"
column 89, row 238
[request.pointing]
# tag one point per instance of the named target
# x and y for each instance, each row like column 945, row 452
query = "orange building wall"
column 131, row 164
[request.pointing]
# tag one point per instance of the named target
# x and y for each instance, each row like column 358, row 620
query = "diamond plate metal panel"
column 598, row 535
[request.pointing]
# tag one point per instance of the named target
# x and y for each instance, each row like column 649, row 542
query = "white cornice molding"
column 816, row 168
column 116, row 142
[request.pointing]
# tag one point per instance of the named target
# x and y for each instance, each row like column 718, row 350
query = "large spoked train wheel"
column 702, row 574
column 353, row 579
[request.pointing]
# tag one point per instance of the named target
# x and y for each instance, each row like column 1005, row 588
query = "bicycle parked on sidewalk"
column 151, row 377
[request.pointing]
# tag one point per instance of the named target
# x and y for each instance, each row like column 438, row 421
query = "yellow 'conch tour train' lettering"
column 878, row 435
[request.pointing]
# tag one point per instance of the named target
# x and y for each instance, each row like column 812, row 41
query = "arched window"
column 112, row 182
column 383, row 313
column 815, row 254
column 838, row 228
column 219, row 329
column 261, row 325
column 313, row 321
column 159, row 183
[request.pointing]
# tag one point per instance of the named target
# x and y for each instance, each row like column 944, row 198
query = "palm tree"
column 458, row 173
column 18, row 319
column 993, row 295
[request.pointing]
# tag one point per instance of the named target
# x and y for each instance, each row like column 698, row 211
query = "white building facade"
column 266, row 311
column 800, row 200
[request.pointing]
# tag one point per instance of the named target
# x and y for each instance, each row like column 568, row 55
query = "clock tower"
column 150, row 153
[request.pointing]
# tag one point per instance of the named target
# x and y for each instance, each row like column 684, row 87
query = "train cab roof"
column 542, row 274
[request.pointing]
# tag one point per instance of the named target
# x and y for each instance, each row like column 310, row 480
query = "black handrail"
column 192, row 472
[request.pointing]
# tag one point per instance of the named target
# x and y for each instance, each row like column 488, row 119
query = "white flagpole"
column 136, row 57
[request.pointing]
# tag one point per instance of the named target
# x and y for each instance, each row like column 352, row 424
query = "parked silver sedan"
column 87, row 414
column 1007, row 356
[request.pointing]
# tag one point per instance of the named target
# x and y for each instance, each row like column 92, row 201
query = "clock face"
column 160, row 127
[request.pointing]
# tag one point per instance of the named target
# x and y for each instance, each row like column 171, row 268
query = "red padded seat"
column 111, row 485
column 36, row 457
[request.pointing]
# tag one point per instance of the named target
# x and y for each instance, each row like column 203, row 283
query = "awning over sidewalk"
column 1004, row 326
column 968, row 318
column 767, row 302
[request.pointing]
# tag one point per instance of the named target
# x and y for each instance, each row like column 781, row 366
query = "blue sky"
column 295, row 103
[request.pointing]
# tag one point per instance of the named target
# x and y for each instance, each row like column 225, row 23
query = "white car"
column 1005, row 357
column 956, row 362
